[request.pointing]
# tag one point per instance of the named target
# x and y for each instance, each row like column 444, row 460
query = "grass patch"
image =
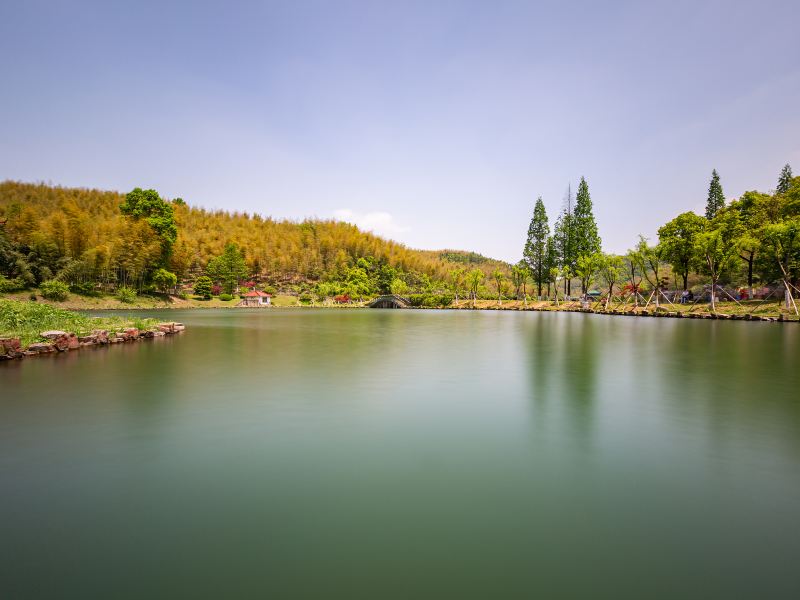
column 26, row 320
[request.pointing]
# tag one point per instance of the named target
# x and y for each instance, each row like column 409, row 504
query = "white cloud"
column 379, row 222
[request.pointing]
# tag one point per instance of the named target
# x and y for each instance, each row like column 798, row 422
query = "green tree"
column 678, row 238
column 552, row 279
column 328, row 289
column 164, row 280
column 751, row 208
column 498, row 277
column 457, row 281
column 564, row 240
column 535, row 252
column 651, row 259
column 586, row 268
column 54, row 290
column 228, row 268
column 551, row 263
column 716, row 199
column 158, row 213
column 398, row 287
column 587, row 240
column 474, row 281
column 631, row 263
column 384, row 277
column 202, row 287
column 519, row 277
column 785, row 180
column 357, row 282
column 717, row 246
column 783, row 241
column 611, row 271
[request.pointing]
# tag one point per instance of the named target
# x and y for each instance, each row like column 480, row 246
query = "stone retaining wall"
column 63, row 341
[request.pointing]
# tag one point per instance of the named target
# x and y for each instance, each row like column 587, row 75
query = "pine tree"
column 536, row 245
column 716, row 199
column 785, row 180
column 564, row 239
column 587, row 240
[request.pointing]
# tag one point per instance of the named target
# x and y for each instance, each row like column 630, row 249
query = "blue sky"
column 435, row 123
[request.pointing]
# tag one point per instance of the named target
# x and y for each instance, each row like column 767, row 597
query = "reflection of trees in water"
column 732, row 377
column 562, row 354
column 580, row 367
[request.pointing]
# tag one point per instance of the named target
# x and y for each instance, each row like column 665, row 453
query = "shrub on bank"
column 126, row 295
column 11, row 285
column 225, row 297
column 202, row 287
column 430, row 300
column 55, row 290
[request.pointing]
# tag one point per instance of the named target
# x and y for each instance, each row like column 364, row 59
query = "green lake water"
column 406, row 454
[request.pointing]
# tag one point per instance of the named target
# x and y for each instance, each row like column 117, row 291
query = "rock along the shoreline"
column 63, row 341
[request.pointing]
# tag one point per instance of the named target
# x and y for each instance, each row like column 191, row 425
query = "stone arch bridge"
column 390, row 301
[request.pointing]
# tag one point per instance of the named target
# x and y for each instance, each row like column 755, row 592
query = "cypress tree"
column 716, row 199
column 536, row 245
column 587, row 240
column 785, row 180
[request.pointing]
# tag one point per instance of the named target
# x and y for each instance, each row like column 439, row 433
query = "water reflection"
column 303, row 447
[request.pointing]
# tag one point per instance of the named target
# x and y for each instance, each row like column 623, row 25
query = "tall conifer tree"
column 536, row 245
column 587, row 240
column 564, row 239
column 716, row 199
column 785, row 180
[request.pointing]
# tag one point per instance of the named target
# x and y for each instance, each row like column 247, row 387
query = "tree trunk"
column 685, row 281
column 713, row 295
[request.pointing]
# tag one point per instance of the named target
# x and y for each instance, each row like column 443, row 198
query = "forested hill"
column 85, row 231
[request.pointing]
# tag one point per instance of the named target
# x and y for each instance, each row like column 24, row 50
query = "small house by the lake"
column 256, row 298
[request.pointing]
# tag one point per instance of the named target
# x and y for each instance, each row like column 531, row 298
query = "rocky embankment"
column 63, row 341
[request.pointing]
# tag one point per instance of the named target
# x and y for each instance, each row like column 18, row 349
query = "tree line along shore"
column 91, row 249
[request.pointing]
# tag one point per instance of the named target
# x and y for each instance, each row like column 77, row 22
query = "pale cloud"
column 378, row 222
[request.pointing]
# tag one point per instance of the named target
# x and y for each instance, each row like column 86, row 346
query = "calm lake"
column 378, row 453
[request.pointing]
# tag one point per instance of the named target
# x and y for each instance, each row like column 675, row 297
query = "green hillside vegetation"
column 101, row 242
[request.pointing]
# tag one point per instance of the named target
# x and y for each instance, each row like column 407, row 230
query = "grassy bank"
column 753, row 307
column 78, row 302
column 26, row 320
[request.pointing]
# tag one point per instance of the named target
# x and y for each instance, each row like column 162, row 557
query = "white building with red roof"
column 256, row 298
